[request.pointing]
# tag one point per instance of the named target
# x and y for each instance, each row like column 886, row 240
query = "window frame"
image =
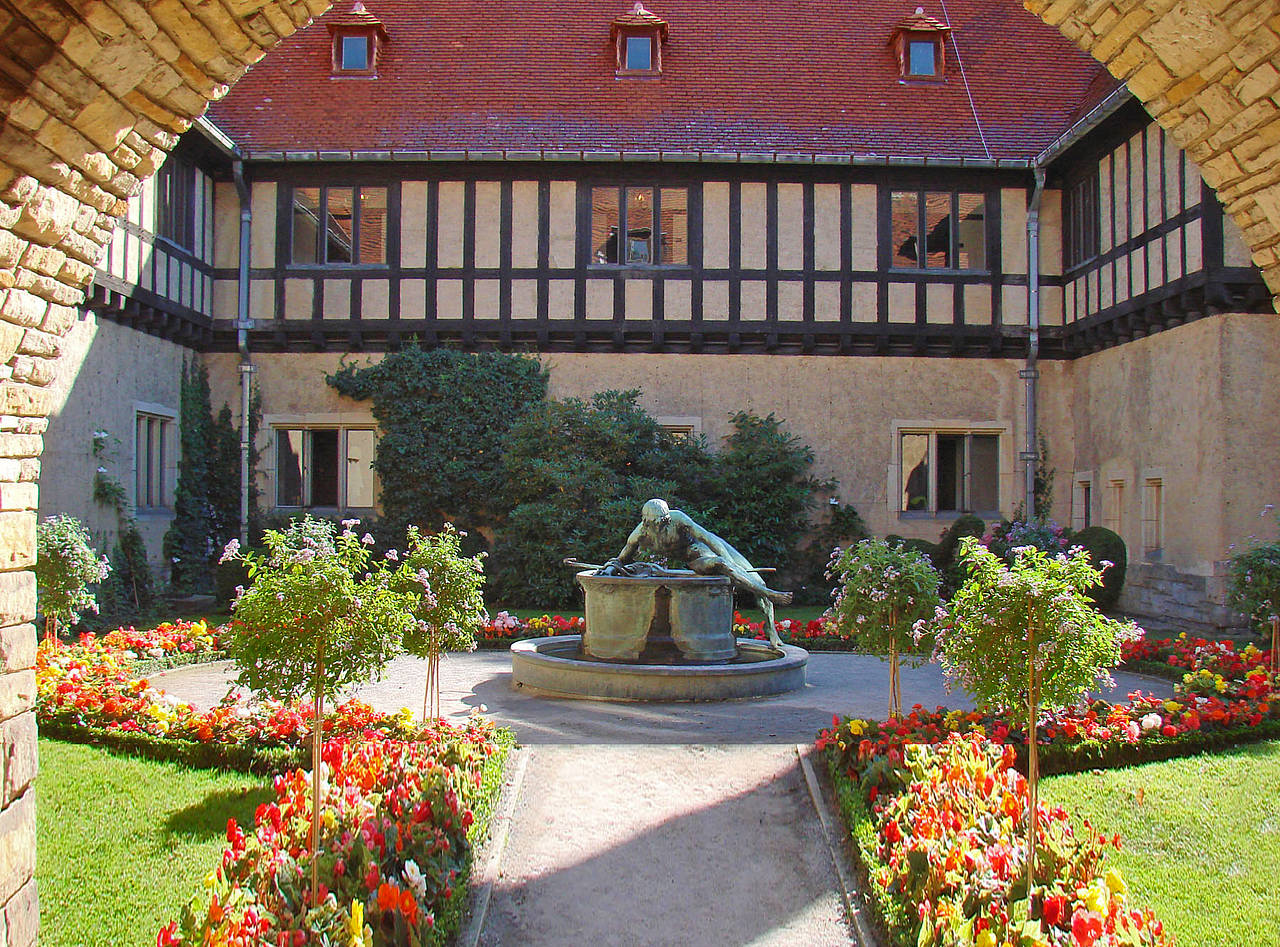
column 160, row 468
column 903, row 40
column 921, row 193
column 932, row 430
column 1083, row 497
column 370, row 35
column 619, row 267
column 622, row 40
column 275, row 426
column 175, row 195
column 322, row 225
column 1081, row 221
column 1153, row 507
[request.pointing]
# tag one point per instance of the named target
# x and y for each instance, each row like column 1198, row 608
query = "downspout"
column 1031, row 373
column 243, row 324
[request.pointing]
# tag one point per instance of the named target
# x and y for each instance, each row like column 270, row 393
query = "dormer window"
column 358, row 38
column 638, row 37
column 918, row 43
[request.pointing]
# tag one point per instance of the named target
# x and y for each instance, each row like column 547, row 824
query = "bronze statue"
column 673, row 533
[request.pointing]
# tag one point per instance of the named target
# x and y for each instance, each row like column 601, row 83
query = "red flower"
column 1086, row 927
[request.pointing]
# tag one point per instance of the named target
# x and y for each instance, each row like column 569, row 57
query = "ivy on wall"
column 442, row 416
column 206, row 501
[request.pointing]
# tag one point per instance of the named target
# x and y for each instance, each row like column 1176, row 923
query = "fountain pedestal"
column 662, row 620
column 667, row 637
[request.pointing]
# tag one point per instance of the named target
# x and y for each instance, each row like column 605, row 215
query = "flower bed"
column 504, row 628
column 404, row 802
column 946, row 866
column 1221, row 698
column 1176, row 657
column 92, row 691
column 397, row 828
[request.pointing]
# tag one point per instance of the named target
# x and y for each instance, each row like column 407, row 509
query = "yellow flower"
column 857, row 727
column 355, row 925
column 1095, row 897
column 1115, row 882
column 1172, row 706
column 985, row 939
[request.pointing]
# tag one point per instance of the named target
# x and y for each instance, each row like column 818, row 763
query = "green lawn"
column 1201, row 839
column 123, row 843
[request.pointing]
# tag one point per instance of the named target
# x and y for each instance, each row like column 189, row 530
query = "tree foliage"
column 449, row 588
column 443, row 416
column 574, row 476
column 319, row 615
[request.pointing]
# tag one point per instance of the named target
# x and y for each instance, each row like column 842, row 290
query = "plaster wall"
column 117, row 371
column 1194, row 409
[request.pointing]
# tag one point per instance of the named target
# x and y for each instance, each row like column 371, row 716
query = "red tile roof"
column 789, row 76
column 640, row 17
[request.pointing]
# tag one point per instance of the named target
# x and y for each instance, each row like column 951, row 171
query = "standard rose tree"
column 1025, row 635
column 319, row 616
column 884, row 591
column 448, row 589
column 66, row 566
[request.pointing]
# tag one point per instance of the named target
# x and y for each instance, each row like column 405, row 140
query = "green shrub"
column 575, row 474
column 845, row 527
column 947, row 560
column 1104, row 545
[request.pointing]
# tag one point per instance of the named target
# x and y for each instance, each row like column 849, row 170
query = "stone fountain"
column 654, row 633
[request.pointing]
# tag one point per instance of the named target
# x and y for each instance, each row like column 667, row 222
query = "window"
column 151, row 458
column 324, row 467
column 949, row 472
column 639, row 57
column 353, row 53
column 1080, row 229
column 334, row 226
column 175, row 202
column 1152, row 517
column 638, row 37
column 1082, row 502
column 640, row 226
column 1113, row 513
column 922, row 232
column 922, row 57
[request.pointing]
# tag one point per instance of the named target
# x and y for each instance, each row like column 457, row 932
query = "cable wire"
column 960, row 62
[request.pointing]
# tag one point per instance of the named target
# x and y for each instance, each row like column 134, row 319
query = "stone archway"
column 93, row 94
column 1207, row 72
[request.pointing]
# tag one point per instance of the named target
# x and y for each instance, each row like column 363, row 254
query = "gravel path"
column 664, row 825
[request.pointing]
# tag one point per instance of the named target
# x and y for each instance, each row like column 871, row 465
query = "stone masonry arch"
column 1209, row 72
column 93, row 94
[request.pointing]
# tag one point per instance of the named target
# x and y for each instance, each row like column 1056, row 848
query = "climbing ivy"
column 443, row 415
column 206, row 502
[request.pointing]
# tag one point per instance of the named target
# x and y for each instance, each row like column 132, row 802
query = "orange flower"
column 388, row 897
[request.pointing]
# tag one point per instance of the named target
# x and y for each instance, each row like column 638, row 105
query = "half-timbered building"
column 918, row 234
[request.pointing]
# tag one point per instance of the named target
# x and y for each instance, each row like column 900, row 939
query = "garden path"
column 654, row 824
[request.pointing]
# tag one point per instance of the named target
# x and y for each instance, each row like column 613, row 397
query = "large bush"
column 575, row 474
column 1103, row 545
column 443, row 416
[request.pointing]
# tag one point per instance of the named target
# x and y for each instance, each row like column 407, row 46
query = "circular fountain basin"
column 557, row 667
